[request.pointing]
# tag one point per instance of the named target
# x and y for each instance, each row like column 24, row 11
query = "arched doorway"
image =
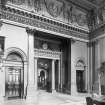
column 14, row 81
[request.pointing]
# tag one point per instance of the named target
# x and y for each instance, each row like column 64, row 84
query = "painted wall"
column 78, row 51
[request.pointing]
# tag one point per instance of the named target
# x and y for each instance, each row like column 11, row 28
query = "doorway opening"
column 14, row 82
column 80, row 81
column 44, row 74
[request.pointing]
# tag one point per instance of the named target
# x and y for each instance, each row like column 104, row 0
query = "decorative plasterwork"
column 41, row 53
column 30, row 31
column 56, row 9
column 97, row 2
column 15, row 50
column 97, row 32
column 41, row 22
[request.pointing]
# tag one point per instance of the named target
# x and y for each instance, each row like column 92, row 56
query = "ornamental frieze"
column 55, row 9
column 17, row 2
column 42, row 53
column 43, row 23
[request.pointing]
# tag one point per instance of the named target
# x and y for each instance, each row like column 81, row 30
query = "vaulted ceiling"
column 88, row 4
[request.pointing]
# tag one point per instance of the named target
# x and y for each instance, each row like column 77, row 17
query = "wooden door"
column 80, row 80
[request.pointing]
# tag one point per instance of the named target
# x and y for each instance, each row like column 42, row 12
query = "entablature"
column 42, row 22
column 98, row 32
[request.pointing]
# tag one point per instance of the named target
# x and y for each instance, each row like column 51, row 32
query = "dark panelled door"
column 13, row 82
column 80, row 81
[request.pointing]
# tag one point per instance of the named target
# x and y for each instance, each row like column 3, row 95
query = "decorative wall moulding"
column 60, row 10
column 26, row 18
column 98, row 32
column 41, row 53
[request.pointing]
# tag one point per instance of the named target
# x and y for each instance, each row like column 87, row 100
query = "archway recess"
column 15, row 73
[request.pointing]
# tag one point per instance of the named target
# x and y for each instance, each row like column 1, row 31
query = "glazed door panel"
column 13, row 82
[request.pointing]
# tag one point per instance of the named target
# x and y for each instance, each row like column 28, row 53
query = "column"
column 91, row 64
column 36, row 72
column 53, row 76
column 88, row 67
column 61, row 77
column 99, row 64
column 31, row 89
column 30, row 52
column 73, row 70
column 59, row 73
column 2, row 73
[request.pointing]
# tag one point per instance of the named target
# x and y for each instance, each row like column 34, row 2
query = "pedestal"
column 73, row 89
column 73, row 82
column 32, row 95
column 1, row 95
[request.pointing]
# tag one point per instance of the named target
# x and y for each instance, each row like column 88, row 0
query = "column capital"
column 30, row 31
column 73, row 41
column 54, row 60
column 91, row 43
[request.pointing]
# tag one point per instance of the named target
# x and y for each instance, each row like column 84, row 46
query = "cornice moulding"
column 30, row 19
column 98, row 32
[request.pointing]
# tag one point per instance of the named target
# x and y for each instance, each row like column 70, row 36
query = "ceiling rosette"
column 54, row 7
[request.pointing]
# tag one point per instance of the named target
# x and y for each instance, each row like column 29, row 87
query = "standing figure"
column 30, row 3
column 67, row 12
column 37, row 5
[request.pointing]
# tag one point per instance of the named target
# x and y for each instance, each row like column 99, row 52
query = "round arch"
column 80, row 63
column 81, row 74
column 13, row 50
column 15, row 70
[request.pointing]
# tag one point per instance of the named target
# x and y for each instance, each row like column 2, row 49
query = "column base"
column 73, row 89
column 32, row 96
column 1, row 100
column 53, row 91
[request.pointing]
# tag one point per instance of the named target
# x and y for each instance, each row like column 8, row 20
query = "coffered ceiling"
column 88, row 4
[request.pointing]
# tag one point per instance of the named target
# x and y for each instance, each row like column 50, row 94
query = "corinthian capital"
column 30, row 31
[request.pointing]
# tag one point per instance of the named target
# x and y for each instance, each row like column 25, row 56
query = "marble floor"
column 45, row 98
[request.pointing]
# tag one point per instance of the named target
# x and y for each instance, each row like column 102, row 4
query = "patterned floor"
column 50, row 99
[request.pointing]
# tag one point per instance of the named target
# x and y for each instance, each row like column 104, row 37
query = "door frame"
column 83, row 81
column 15, row 64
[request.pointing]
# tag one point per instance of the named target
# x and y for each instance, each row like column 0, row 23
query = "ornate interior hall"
column 52, row 47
